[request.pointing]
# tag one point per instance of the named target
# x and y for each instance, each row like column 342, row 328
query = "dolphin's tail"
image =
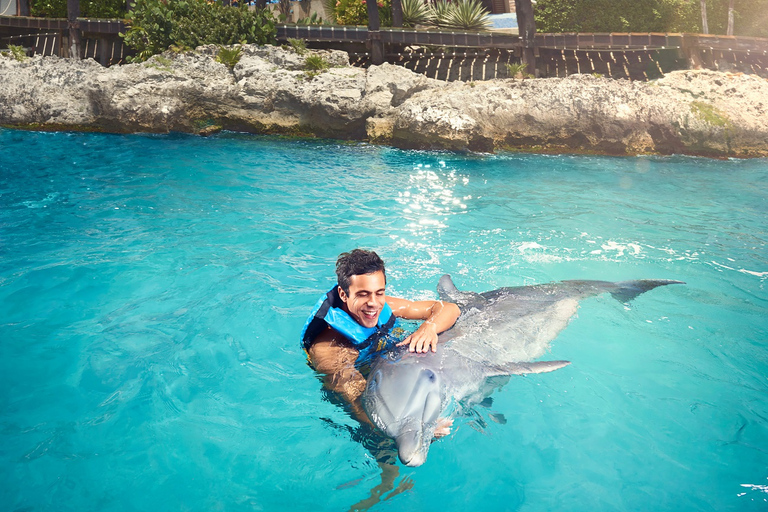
column 627, row 290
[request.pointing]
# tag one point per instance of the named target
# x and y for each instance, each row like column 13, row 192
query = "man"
column 353, row 320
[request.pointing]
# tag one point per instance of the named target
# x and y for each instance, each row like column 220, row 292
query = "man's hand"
column 424, row 338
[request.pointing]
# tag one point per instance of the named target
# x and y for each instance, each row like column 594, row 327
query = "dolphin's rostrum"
column 499, row 333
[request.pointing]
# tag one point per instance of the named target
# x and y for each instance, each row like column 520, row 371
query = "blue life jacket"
column 328, row 312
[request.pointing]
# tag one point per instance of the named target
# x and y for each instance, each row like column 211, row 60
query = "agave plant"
column 467, row 15
column 416, row 12
column 440, row 10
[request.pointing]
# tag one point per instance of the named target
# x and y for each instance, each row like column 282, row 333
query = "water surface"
column 152, row 290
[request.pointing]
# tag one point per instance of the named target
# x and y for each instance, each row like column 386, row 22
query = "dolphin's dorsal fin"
column 522, row 368
column 448, row 291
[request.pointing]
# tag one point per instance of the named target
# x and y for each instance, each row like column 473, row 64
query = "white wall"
column 7, row 7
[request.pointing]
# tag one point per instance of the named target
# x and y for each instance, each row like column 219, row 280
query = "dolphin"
column 499, row 333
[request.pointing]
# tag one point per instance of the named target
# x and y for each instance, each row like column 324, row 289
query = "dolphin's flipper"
column 522, row 368
column 628, row 290
column 448, row 291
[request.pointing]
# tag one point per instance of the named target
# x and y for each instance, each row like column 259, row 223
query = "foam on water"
column 152, row 289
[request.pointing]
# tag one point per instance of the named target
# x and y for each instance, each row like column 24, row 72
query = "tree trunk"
column 23, row 7
column 730, row 18
column 374, row 36
column 397, row 13
column 704, row 25
column 73, row 12
column 128, row 5
column 527, row 29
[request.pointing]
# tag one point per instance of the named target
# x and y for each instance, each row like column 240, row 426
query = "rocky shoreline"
column 270, row 91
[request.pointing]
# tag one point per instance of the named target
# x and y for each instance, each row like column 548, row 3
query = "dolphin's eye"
column 430, row 375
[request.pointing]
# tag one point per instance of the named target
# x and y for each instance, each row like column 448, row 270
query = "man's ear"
column 342, row 295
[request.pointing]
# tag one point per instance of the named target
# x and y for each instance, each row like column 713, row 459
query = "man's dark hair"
column 357, row 262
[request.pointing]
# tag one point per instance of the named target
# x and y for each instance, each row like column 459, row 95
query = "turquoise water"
column 152, row 289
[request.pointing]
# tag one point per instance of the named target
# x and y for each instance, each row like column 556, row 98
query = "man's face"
column 366, row 298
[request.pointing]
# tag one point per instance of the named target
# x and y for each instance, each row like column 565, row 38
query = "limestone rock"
column 270, row 91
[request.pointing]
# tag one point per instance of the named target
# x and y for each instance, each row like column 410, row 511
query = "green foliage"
column 310, row 20
column 416, row 12
column 440, row 10
column 313, row 66
column 229, row 56
column 612, row 15
column 17, row 52
column 460, row 14
column 316, row 63
column 156, row 25
column 88, row 8
column 329, row 6
column 750, row 17
column 355, row 12
column 650, row 16
column 517, row 70
column 467, row 15
column 298, row 45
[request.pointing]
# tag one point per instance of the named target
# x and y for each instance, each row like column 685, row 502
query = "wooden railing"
column 49, row 36
column 398, row 36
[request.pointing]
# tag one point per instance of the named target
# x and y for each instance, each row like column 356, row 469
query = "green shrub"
column 316, row 63
column 17, row 52
column 156, row 25
column 355, row 12
column 298, row 45
column 460, row 14
column 517, row 70
column 310, row 20
column 88, row 8
column 416, row 12
column 229, row 56
column 467, row 15
column 649, row 16
column 440, row 10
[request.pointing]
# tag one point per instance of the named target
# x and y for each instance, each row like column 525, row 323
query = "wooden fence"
column 100, row 39
column 648, row 56
column 447, row 54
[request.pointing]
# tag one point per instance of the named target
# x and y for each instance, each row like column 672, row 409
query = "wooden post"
column 374, row 35
column 129, row 5
column 103, row 55
column 527, row 29
column 22, row 8
column 704, row 24
column 73, row 12
column 397, row 13
column 690, row 48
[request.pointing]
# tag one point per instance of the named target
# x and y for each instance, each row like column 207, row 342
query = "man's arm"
column 331, row 355
column 438, row 316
